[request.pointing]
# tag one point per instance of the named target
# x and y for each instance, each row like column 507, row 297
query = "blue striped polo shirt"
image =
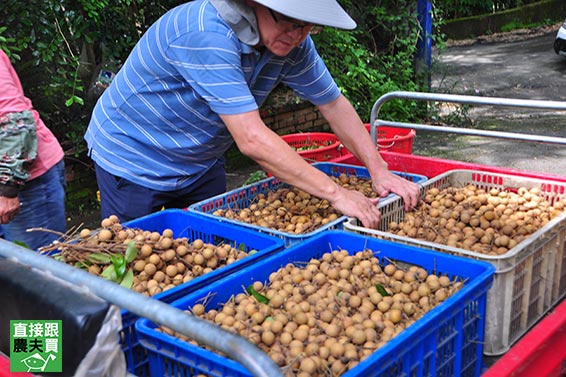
column 157, row 124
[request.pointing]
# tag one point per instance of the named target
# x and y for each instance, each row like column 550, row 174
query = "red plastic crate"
column 326, row 145
column 394, row 139
column 391, row 139
column 431, row 167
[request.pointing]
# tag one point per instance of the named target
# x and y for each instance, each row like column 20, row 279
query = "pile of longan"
column 489, row 222
column 325, row 317
column 163, row 261
column 294, row 211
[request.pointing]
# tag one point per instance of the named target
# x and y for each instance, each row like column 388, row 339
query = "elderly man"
column 193, row 85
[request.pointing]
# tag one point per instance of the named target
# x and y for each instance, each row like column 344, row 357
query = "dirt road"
column 508, row 68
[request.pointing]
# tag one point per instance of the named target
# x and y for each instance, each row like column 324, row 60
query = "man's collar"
column 240, row 17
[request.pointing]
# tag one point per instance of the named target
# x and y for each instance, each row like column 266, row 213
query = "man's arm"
column 257, row 141
column 348, row 126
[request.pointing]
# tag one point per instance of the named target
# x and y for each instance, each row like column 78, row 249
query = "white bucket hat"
column 320, row 12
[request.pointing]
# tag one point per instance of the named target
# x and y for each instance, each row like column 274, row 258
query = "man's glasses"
column 290, row 24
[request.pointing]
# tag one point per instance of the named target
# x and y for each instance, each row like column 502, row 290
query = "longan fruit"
column 268, row 338
column 198, row 259
column 85, row 233
column 150, row 269
column 154, row 236
column 146, row 250
column 94, row 269
column 165, row 243
column 106, row 222
column 395, row 315
column 182, row 250
column 139, row 265
column 155, row 290
column 308, row 365
column 198, row 309
column 159, row 276
column 390, row 269
column 154, row 259
column 171, row 270
column 276, row 301
column 198, row 244
column 168, row 255
column 383, row 306
column 105, row 235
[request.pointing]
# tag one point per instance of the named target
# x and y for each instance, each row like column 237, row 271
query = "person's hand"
column 9, row 207
column 406, row 189
column 355, row 204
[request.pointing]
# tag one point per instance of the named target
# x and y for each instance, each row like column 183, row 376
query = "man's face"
column 280, row 34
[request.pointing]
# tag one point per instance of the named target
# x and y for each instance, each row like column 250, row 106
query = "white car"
column 560, row 40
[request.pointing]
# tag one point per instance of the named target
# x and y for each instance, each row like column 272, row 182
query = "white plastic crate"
column 529, row 279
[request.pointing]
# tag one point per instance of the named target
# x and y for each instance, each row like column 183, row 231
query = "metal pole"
column 235, row 346
column 424, row 43
column 470, row 100
column 471, row 131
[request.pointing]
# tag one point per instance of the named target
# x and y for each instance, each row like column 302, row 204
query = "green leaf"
column 59, row 257
column 258, row 296
column 131, row 252
column 109, row 273
column 99, row 258
column 74, row 99
column 242, row 247
column 22, row 244
column 252, row 252
column 119, row 263
column 128, row 279
column 381, row 290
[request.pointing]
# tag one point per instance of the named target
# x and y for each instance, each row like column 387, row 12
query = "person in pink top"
column 32, row 170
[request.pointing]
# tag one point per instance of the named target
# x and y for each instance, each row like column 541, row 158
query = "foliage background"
column 59, row 47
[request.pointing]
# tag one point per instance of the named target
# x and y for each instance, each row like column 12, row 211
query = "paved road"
column 525, row 69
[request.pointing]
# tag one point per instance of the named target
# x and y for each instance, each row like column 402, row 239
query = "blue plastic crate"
column 243, row 197
column 185, row 224
column 447, row 341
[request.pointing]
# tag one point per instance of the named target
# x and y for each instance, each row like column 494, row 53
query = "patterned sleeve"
column 17, row 151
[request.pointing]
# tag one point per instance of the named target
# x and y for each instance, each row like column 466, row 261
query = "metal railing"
column 468, row 100
column 206, row 333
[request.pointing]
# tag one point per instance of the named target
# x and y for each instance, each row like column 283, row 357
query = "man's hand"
column 9, row 207
column 355, row 204
column 406, row 189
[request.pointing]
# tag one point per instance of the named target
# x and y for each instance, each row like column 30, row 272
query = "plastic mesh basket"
column 314, row 146
column 394, row 139
column 243, row 197
column 446, row 341
column 530, row 278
